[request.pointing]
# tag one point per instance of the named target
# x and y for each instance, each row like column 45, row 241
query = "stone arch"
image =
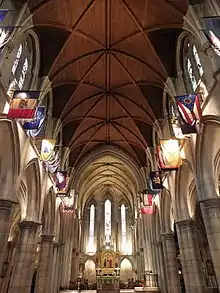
column 22, row 199
column 184, row 178
column 33, row 183
column 48, row 216
column 157, row 225
column 9, row 159
column 126, row 271
column 192, row 199
column 118, row 154
column 90, row 272
column 165, row 210
column 57, row 222
column 207, row 148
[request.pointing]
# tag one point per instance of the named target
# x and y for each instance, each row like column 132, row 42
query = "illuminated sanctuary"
column 109, row 146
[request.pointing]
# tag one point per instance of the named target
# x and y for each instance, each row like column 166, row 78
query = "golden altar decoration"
column 108, row 271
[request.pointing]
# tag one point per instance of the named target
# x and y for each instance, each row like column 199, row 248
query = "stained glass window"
column 17, row 59
column 107, row 221
column 123, row 227
column 191, row 74
column 194, row 70
column 91, row 246
column 198, row 61
column 19, row 70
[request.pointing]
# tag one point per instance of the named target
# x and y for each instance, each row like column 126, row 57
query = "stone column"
column 23, row 269
column 5, row 220
column 53, row 279
column 190, row 256
column 160, row 265
column 211, row 217
column 173, row 280
column 45, row 264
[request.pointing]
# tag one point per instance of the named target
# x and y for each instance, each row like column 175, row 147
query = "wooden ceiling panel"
column 119, row 20
column 76, row 71
column 139, row 70
column 94, row 21
column 116, row 57
column 97, row 75
column 156, row 12
column 118, row 74
column 141, row 48
column 77, row 46
column 81, row 93
column 65, row 13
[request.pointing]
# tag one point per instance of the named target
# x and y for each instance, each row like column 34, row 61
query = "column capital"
column 211, row 202
column 57, row 244
column 157, row 243
column 186, row 223
column 167, row 236
column 47, row 238
column 28, row 225
column 6, row 204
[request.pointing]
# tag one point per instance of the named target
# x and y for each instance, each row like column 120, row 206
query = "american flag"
column 189, row 108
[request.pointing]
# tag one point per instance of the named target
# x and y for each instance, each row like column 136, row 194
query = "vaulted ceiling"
column 108, row 61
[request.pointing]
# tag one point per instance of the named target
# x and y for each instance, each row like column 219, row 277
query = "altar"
column 108, row 271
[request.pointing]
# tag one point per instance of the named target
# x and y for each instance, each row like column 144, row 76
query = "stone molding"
column 24, row 225
column 6, row 204
column 157, row 243
column 186, row 223
column 47, row 238
column 167, row 236
column 211, row 202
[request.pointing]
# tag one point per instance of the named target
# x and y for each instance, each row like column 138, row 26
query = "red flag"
column 148, row 210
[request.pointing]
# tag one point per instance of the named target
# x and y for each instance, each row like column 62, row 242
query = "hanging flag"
column 47, row 148
column 61, row 181
column 148, row 210
column 147, row 199
column 52, row 164
column 68, row 208
column 62, row 195
column 39, row 133
column 38, row 120
column 169, row 154
column 186, row 128
column 156, row 180
column 212, row 32
column 189, row 108
column 3, row 14
column 23, row 105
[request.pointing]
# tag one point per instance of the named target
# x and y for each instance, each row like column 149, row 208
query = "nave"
column 109, row 146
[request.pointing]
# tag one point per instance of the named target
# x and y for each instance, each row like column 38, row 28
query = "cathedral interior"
column 109, row 146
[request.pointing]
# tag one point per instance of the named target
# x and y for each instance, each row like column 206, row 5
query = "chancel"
column 109, row 146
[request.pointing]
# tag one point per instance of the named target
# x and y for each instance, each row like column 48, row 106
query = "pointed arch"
column 9, row 159
column 33, row 182
column 48, row 216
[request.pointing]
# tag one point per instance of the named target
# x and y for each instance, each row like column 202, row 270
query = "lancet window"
column 21, row 65
column 194, row 70
column 123, row 227
column 91, row 244
column 107, row 221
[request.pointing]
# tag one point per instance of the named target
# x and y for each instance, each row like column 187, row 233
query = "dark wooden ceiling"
column 108, row 61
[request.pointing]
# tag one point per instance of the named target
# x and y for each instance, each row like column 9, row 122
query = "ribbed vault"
column 107, row 71
column 107, row 174
column 108, row 61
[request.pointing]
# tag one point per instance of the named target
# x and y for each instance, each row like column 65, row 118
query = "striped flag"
column 189, row 108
